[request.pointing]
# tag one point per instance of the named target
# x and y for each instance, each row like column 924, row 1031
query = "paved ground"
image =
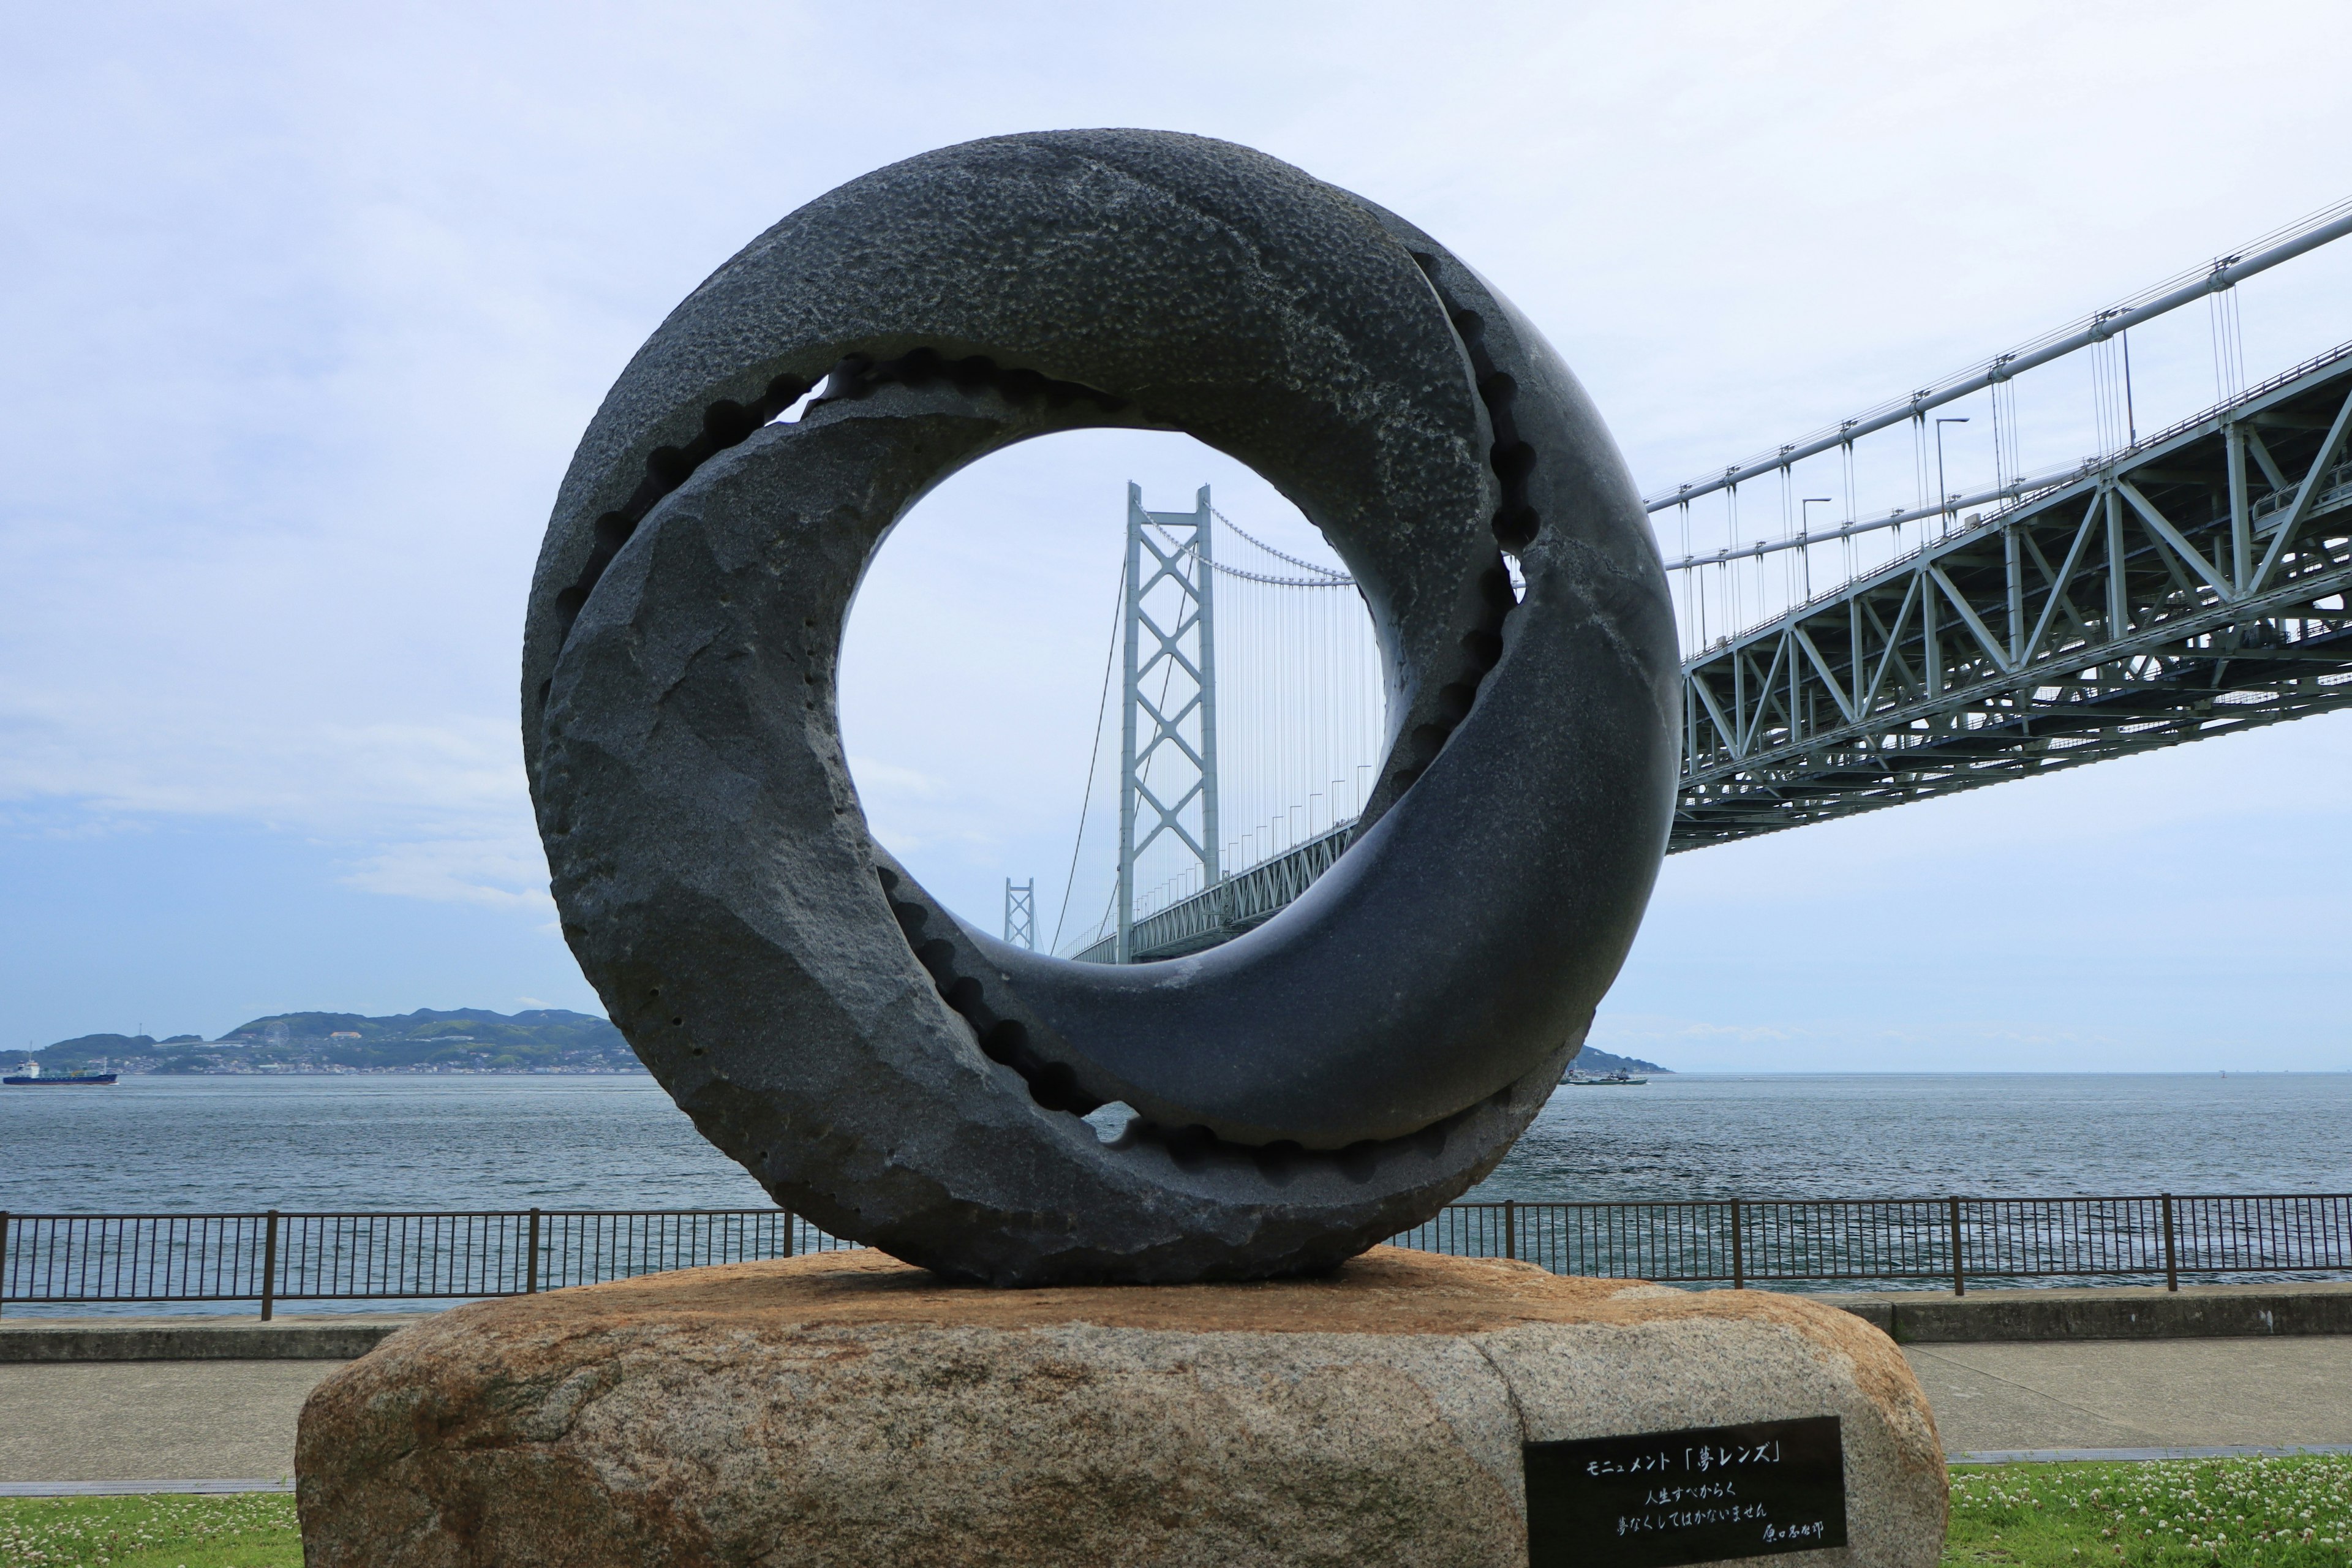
column 234, row 1419
column 142, row 1420
column 2135, row 1393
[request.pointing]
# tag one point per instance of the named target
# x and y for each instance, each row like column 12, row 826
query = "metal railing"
column 360, row 1255
column 1946, row 1240
column 277, row 1255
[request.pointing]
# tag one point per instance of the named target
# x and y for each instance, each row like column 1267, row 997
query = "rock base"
column 845, row 1409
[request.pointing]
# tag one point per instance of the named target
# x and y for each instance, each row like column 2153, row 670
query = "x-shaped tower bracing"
column 1173, row 549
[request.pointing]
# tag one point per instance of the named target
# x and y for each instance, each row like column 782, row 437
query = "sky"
column 304, row 308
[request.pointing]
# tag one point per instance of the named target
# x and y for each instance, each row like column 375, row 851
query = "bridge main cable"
column 2322, row 227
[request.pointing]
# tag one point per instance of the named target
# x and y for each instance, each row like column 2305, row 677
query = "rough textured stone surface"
column 1324, row 1081
column 843, row 1409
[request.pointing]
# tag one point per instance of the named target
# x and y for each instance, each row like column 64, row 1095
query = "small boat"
column 32, row 1078
column 1588, row 1079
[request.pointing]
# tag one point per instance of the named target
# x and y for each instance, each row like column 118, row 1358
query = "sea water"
column 1889, row 1135
column 214, row 1144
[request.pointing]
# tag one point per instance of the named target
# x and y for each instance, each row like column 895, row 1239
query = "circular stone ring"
column 1305, row 1090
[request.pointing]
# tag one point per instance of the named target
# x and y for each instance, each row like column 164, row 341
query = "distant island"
column 469, row 1039
column 1592, row 1061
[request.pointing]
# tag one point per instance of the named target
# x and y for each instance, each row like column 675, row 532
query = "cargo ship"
column 32, row 1078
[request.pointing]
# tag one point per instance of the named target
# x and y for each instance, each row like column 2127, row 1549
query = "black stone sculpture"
column 1301, row 1092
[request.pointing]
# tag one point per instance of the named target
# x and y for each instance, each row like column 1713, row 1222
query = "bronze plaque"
column 1696, row 1496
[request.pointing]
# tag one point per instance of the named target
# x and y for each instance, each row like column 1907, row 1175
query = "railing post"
column 270, row 1267
column 1510, row 1227
column 790, row 1241
column 1739, row 1251
column 1959, row 1274
column 530, row 1264
column 2172, row 1258
column 3, row 1260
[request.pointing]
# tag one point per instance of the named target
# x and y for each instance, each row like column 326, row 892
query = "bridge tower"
column 1168, row 719
column 1021, row 913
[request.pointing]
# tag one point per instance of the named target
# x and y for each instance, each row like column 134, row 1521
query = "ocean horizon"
column 223, row 1142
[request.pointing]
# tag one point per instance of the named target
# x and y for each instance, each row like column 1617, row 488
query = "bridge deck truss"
column 1224, row 911
column 2190, row 586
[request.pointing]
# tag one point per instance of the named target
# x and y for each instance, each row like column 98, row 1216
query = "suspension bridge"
column 2171, row 587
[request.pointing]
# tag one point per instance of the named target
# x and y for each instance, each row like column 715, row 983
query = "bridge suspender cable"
column 2283, row 245
column 1298, row 729
column 1325, row 576
column 2190, row 598
column 1094, row 754
column 1336, row 576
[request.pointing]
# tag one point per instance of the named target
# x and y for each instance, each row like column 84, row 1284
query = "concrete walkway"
column 121, row 1421
column 153, row 1420
column 2143, row 1393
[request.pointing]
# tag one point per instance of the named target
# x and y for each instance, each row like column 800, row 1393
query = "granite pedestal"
column 846, row 1409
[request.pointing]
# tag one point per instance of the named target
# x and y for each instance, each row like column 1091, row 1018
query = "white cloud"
column 1611, row 1028
column 506, row 874
column 878, row 780
column 306, row 309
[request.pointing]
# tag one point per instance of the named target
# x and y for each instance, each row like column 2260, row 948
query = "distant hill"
column 1590, row 1060
column 101, row 1046
column 427, row 1040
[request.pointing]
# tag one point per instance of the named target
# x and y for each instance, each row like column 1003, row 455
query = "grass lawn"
column 2181, row 1513
column 2296, row 1514
column 243, row 1530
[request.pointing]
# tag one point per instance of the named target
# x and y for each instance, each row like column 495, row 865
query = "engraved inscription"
column 1662, row 1498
